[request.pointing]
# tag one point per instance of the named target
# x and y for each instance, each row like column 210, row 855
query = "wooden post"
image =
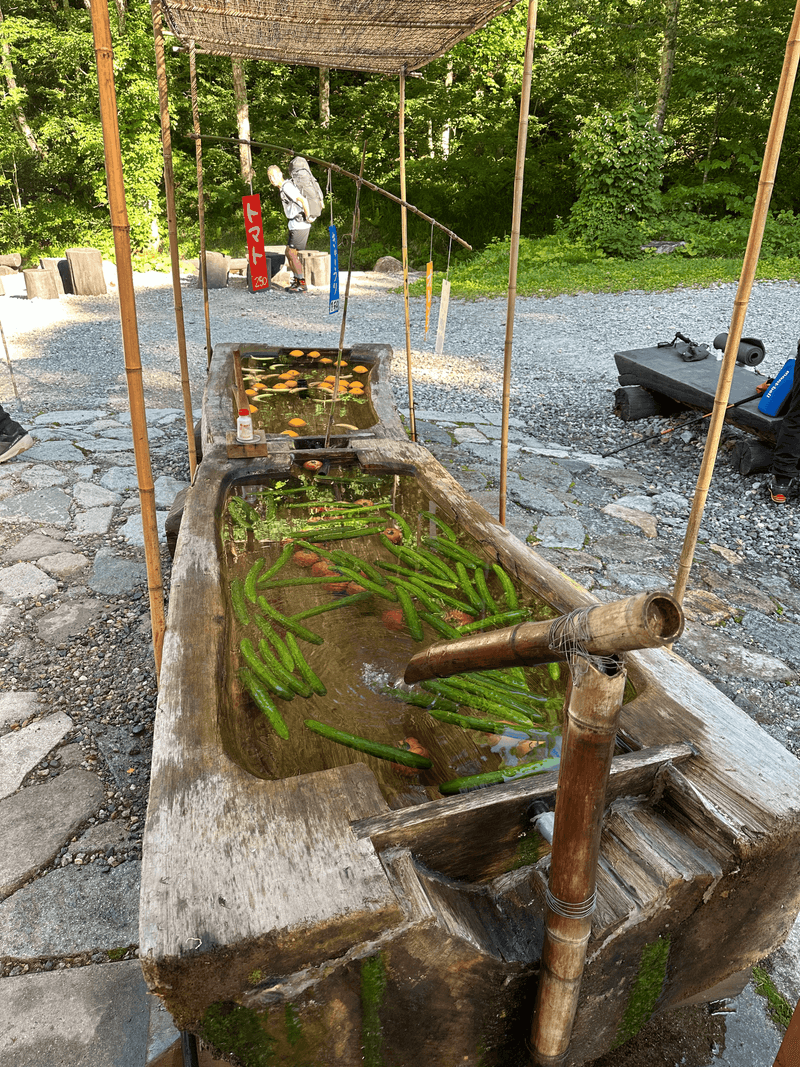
column 201, row 210
column 101, row 30
column 172, row 229
column 594, row 699
column 513, row 260
column 765, row 185
column 789, row 1052
column 404, row 236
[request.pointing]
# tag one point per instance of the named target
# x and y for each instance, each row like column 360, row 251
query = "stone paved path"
column 76, row 708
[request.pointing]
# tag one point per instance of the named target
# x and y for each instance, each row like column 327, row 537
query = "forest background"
column 648, row 122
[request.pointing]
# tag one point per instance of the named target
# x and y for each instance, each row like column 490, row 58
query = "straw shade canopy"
column 380, row 36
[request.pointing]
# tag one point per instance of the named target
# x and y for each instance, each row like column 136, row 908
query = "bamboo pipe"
column 765, row 186
column 344, row 173
column 647, row 620
column 353, row 233
column 101, row 30
column 172, row 229
column 591, row 719
column 404, row 239
column 8, row 361
column 513, row 260
column 201, row 208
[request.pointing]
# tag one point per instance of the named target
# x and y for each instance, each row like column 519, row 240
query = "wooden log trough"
column 321, row 919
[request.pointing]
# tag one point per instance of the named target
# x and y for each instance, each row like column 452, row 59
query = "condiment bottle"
column 244, row 425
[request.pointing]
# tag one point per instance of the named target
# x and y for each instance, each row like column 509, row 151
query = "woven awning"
column 379, row 36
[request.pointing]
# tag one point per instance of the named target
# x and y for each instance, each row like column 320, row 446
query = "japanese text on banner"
column 256, row 253
column 333, row 304
column 428, row 295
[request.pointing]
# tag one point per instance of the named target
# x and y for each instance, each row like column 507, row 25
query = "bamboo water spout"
column 648, row 620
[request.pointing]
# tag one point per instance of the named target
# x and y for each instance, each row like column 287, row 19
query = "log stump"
column 41, row 284
column 752, row 457
column 216, row 271
column 86, row 271
column 11, row 259
column 61, row 267
column 316, row 267
column 632, row 402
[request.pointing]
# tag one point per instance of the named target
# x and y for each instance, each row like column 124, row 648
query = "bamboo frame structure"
column 8, row 361
column 516, row 216
column 764, row 194
column 201, row 210
column 172, row 229
column 404, row 239
column 101, row 29
column 592, row 708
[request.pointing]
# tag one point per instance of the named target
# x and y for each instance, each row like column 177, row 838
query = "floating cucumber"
column 454, row 551
column 444, row 629
column 509, row 591
column 353, row 574
column 349, row 560
column 250, row 580
column 468, row 589
column 483, row 591
column 507, row 618
column 372, row 748
column 285, row 677
column 422, row 700
column 459, row 605
column 313, row 679
column 282, row 652
column 336, row 535
column 260, row 669
column 508, row 676
column 401, row 525
column 430, row 560
column 469, row 722
column 410, row 614
column 295, row 627
column 276, row 566
column 477, row 701
column 408, row 573
column 475, row 781
column 440, row 524
column 263, row 702
column 320, row 609
column 242, row 512
column 237, row 600
column 423, row 595
column 472, row 690
column 554, row 670
column 291, row 583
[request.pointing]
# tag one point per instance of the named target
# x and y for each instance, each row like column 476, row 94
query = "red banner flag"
column 256, row 255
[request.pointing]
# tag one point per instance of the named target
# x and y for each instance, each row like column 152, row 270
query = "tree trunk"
column 324, row 97
column 667, row 63
column 448, row 81
column 242, row 121
column 122, row 11
column 20, row 120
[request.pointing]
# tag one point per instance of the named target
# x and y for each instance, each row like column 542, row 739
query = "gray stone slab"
column 121, row 433
column 69, row 418
column 120, row 479
column 40, row 476
column 22, row 580
column 560, row 531
column 571, row 561
column 83, row 1017
column 426, row 431
column 113, row 574
column 714, row 646
column 55, row 452
column 16, row 706
column 89, row 495
column 68, row 620
column 751, row 1039
column 633, row 578
column 166, row 489
column 64, row 564
column 645, row 522
column 99, row 838
column 162, row 1034
column 639, row 501
column 474, row 481
column 786, row 965
column 103, row 445
column 71, row 910
column 623, row 477
column 9, row 616
column 541, row 471
column 132, row 529
column 37, row 821
column 33, row 546
column 631, row 549
column 778, row 635
column 468, row 434
column 38, row 505
column 535, row 498
column 21, row 750
column 104, row 424
column 93, row 521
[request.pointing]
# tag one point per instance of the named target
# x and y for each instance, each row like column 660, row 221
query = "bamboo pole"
column 404, row 238
column 513, row 261
column 172, row 228
column 101, row 30
column 8, row 361
column 337, row 170
column 765, row 186
column 201, row 209
column 594, row 699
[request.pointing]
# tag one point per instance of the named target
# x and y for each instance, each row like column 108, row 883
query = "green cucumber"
column 355, row 575
column 509, row 591
column 468, row 589
column 286, row 678
column 237, row 602
column 433, row 564
column 454, row 552
column 372, row 748
column 410, row 614
column 421, row 700
column 242, row 512
column 507, row 618
column 475, row 781
column 260, row 669
column 473, row 689
column 483, row 592
column 554, row 670
column 401, row 525
column 313, row 679
column 276, row 566
column 336, row 535
column 280, row 648
column 469, row 722
column 290, row 583
column 349, row 560
column 440, row 524
column 250, row 580
column 331, row 605
column 287, row 624
column 444, row 629
column 406, row 572
column 496, row 708
column 423, row 595
column 263, row 702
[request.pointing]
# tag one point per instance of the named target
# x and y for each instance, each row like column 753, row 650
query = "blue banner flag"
column 333, row 305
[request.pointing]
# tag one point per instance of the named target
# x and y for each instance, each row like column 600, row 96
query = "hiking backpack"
column 301, row 175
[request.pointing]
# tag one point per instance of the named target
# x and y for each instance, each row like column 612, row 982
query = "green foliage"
column 778, row 1006
column 373, row 990
column 646, row 989
column 238, row 1032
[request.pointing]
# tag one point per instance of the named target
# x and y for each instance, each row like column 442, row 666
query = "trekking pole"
column 672, row 429
column 8, row 361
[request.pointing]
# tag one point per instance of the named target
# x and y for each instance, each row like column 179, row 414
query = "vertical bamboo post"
column 172, row 228
column 513, row 261
column 594, row 699
column 101, row 30
column 765, row 186
column 8, row 361
column 404, row 237
column 201, row 209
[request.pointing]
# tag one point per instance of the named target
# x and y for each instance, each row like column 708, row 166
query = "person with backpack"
column 301, row 198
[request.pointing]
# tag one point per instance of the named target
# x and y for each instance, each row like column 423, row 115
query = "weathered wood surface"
column 41, row 284
column 86, row 271
column 11, row 259
column 61, row 269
